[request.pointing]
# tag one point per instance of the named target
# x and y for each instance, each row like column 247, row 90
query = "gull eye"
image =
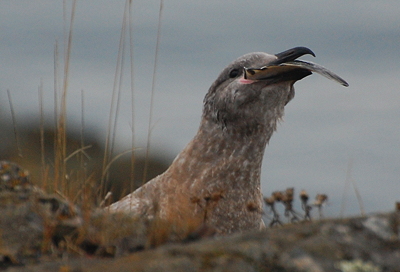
column 233, row 73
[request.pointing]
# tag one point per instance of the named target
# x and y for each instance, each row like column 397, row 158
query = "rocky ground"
column 42, row 232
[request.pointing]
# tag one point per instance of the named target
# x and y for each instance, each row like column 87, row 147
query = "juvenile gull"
column 215, row 180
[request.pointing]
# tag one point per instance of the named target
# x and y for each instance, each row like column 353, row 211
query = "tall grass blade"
column 153, row 83
column 114, row 105
column 14, row 121
column 41, row 126
column 132, row 173
column 61, row 144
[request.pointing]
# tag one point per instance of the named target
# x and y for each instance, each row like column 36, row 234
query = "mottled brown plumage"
column 215, row 180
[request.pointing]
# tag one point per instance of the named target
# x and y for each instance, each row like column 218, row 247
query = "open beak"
column 287, row 67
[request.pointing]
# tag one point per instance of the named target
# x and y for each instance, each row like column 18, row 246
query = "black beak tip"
column 301, row 50
column 309, row 51
column 294, row 53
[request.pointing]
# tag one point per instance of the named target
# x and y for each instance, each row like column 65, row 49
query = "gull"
column 215, row 180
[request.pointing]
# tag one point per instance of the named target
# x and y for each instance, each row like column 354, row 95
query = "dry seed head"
column 304, row 196
column 269, row 200
column 290, row 192
column 286, row 198
column 320, row 199
column 277, row 195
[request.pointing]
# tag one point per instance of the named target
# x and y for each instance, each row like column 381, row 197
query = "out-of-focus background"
column 331, row 135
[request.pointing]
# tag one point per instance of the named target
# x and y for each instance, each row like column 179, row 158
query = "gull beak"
column 287, row 67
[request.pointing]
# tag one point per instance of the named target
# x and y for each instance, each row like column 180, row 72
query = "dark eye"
column 234, row 73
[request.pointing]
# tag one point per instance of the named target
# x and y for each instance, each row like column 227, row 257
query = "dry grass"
column 67, row 173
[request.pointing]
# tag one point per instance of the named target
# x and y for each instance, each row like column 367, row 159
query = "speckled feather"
column 215, row 180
